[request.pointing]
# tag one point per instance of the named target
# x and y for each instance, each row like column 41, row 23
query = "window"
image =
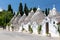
column 53, row 22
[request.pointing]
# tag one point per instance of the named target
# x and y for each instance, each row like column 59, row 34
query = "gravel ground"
column 6, row 35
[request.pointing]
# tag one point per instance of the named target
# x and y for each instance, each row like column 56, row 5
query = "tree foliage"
column 5, row 17
column 39, row 29
column 10, row 8
column 34, row 9
column 47, row 11
column 26, row 10
column 21, row 9
column 58, row 27
column 30, row 29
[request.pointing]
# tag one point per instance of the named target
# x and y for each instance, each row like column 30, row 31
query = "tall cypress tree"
column 21, row 9
column 26, row 10
column 10, row 8
column 46, row 12
column 34, row 9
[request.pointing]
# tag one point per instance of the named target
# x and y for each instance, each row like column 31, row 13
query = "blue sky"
column 30, row 3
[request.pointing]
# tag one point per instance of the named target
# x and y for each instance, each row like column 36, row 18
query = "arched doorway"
column 47, row 28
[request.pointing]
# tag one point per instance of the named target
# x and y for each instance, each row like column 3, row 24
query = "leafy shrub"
column 23, row 29
column 30, row 29
column 8, row 24
column 58, row 27
column 12, row 28
column 39, row 29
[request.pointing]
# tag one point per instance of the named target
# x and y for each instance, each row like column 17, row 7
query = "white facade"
column 38, row 18
column 52, row 26
column 52, row 23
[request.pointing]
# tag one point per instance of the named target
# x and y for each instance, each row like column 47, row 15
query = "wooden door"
column 47, row 28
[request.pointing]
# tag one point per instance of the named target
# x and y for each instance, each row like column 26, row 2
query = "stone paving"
column 6, row 35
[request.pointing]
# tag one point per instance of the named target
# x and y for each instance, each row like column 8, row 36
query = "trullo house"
column 37, row 23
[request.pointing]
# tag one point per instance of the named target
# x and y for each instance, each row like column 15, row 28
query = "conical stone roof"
column 28, row 17
column 13, row 19
column 53, row 14
column 16, row 19
column 38, row 16
column 21, row 20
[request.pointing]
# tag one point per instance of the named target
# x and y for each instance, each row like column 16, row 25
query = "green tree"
column 58, row 27
column 39, row 29
column 47, row 11
column 5, row 17
column 21, row 9
column 30, row 29
column 34, row 9
column 26, row 10
column 10, row 8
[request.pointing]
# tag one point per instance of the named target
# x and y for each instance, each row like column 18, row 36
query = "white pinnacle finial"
column 54, row 6
column 38, row 8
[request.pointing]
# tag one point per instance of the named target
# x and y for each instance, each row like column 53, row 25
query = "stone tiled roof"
column 38, row 16
column 15, row 22
column 54, row 14
column 21, row 19
column 16, row 19
column 28, row 17
column 13, row 19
